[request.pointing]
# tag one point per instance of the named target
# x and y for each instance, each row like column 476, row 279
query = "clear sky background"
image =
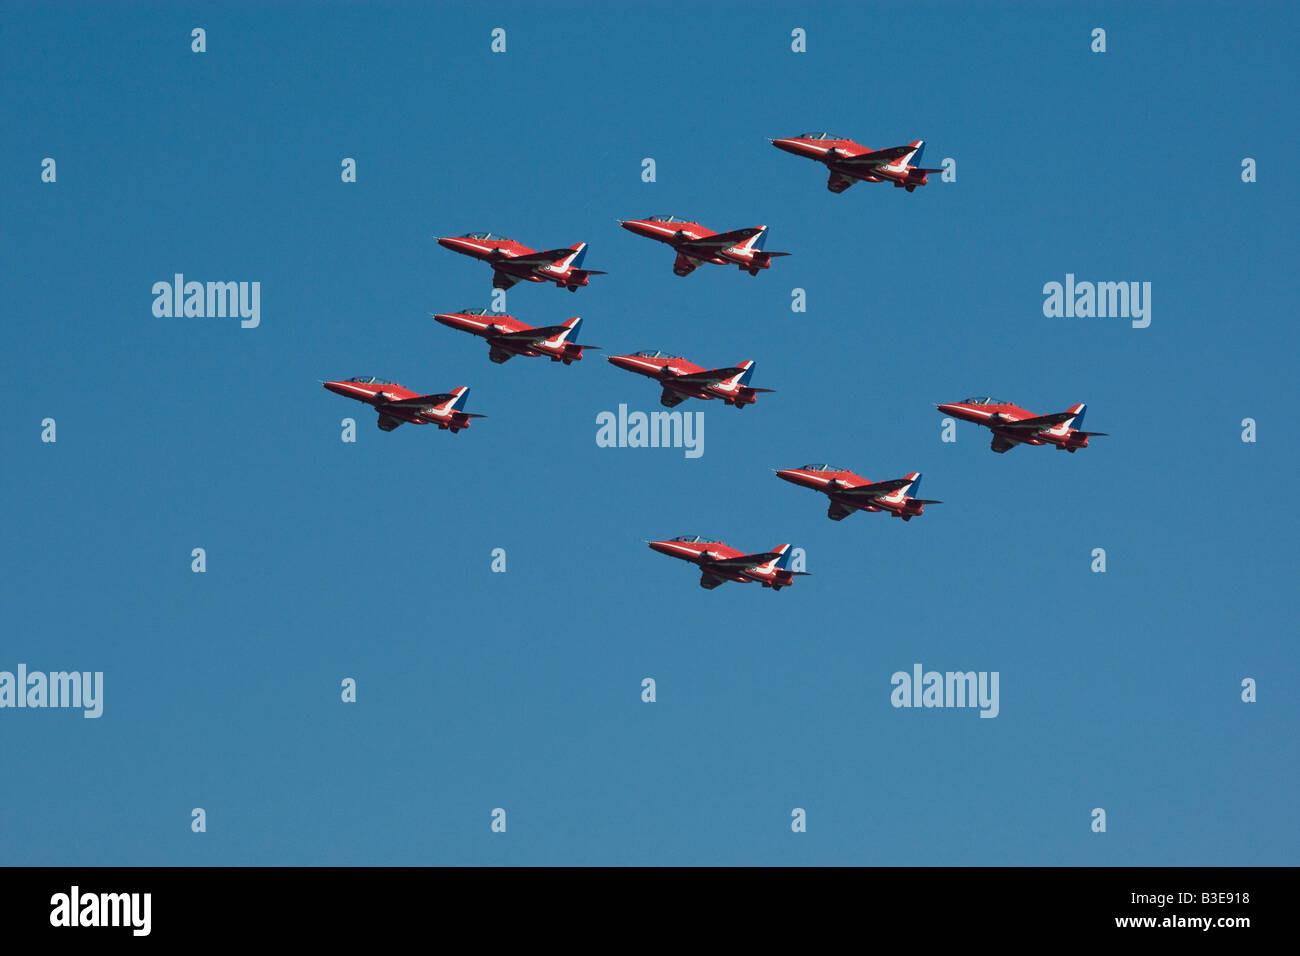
column 522, row 690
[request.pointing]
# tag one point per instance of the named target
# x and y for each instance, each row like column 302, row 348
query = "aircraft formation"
column 694, row 244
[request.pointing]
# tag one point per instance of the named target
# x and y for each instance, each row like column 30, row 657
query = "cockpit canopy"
column 371, row 380
column 485, row 235
column 820, row 467
column 819, row 136
column 474, row 312
column 695, row 539
column 985, row 400
column 666, row 219
column 656, row 354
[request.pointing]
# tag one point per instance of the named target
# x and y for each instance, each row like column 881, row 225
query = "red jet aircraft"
column 719, row 562
column 850, row 162
column 682, row 379
column 694, row 243
column 512, row 261
column 1012, row 425
column 849, row 492
column 507, row 336
column 397, row 404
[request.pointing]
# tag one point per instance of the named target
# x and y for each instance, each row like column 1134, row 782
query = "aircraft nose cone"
column 657, row 546
column 946, row 408
column 620, row 361
column 789, row 474
column 334, row 387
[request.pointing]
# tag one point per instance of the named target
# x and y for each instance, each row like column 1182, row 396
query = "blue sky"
column 521, row 690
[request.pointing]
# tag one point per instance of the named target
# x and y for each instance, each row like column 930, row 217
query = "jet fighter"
column 850, row 162
column 508, row 337
column 695, row 244
column 512, row 261
column 397, row 404
column 1012, row 425
column 849, row 492
column 682, row 379
column 720, row 563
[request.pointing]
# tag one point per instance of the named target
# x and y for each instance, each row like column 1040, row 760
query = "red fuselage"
column 835, row 154
column 682, row 379
column 720, row 562
column 695, row 243
column 397, row 404
column 850, row 492
column 507, row 336
column 1001, row 419
column 513, row 262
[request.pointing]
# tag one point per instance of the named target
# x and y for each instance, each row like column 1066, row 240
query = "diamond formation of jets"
column 1012, row 425
column 507, row 336
column 695, row 244
column 851, row 162
column 397, row 404
column 512, row 261
column 849, row 492
column 720, row 563
column 682, row 379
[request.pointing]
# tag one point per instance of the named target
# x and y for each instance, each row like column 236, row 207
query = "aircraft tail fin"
column 459, row 395
column 785, row 552
column 580, row 253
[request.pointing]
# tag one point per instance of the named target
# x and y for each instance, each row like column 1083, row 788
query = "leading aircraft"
column 1012, row 425
column 397, row 404
column 850, row 492
column 720, row 563
column 682, row 379
column 851, row 162
column 695, row 243
column 513, row 261
column 507, row 336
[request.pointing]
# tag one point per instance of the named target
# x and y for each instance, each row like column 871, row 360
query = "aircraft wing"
column 711, row 377
column 671, row 399
column 710, row 581
column 1002, row 445
column 743, row 561
column 503, row 280
column 1039, row 423
column 420, row 401
column 549, row 257
column 876, row 490
column 838, row 512
column 880, row 157
column 837, row 182
column 533, row 335
column 685, row 265
column 710, row 244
